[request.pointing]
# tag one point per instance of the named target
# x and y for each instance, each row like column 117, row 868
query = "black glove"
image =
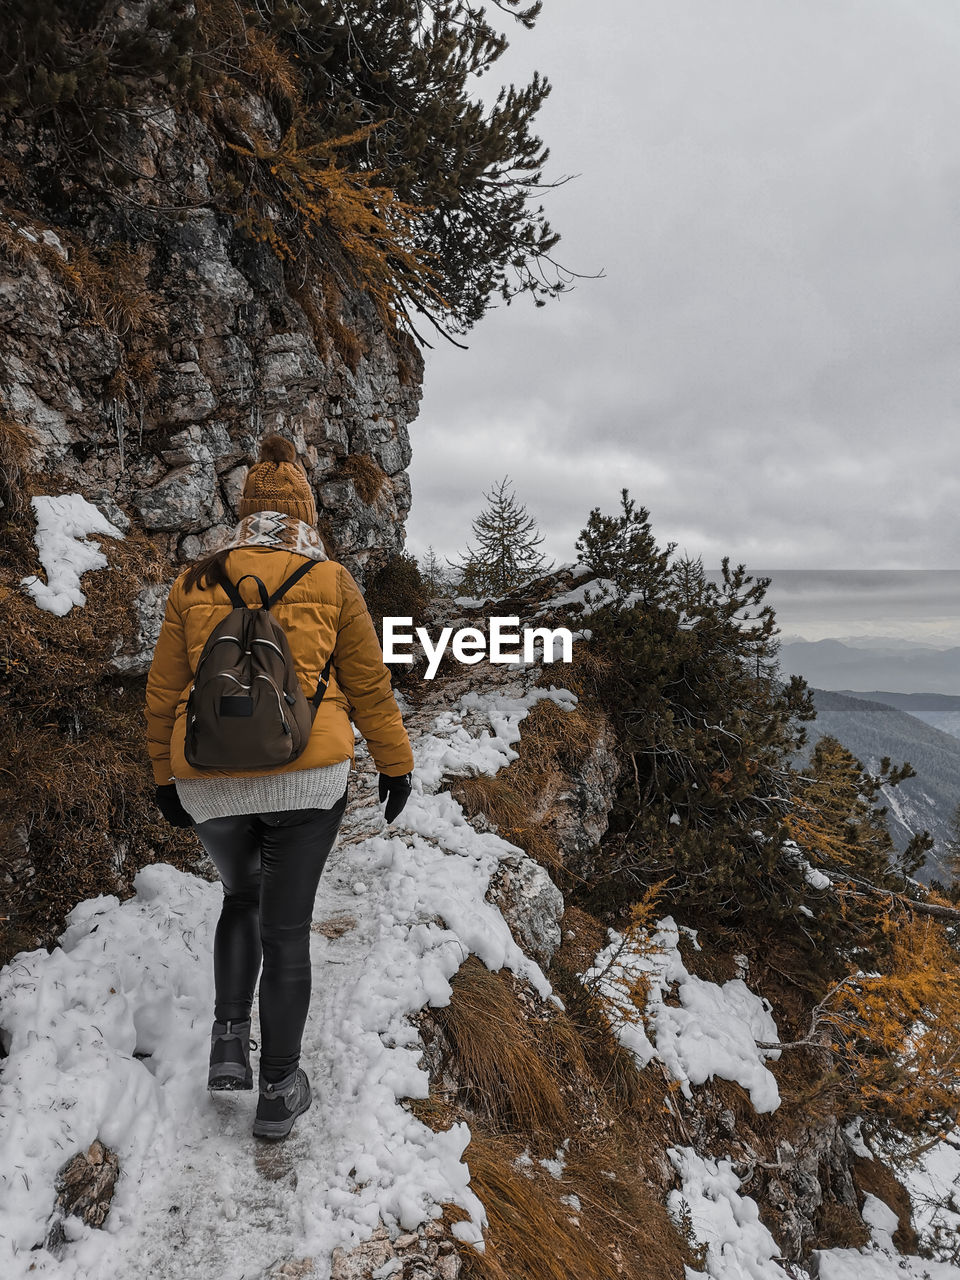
column 396, row 792
column 168, row 802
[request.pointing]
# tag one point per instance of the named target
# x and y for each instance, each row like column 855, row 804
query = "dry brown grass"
column 13, row 246
column 838, row 1226
column 76, row 790
column 620, row 1229
column 368, row 479
column 522, row 799
column 612, row 1068
column 17, row 443
column 334, row 926
column 496, row 1057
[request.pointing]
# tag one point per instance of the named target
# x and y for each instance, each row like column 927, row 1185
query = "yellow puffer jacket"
column 321, row 614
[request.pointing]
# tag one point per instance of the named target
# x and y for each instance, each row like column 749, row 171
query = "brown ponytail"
column 208, row 572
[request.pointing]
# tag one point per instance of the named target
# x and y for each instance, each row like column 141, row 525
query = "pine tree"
column 622, row 551
column 506, row 555
column 432, row 572
column 894, row 1028
column 706, row 729
column 838, row 821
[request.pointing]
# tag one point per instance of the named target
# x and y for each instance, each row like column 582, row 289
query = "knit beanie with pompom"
column 278, row 483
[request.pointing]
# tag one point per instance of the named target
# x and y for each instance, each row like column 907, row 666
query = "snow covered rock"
column 531, row 905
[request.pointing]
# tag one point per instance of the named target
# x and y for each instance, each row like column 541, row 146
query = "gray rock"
column 186, row 499
column 196, row 545
column 359, row 1263
column 150, row 605
column 530, row 903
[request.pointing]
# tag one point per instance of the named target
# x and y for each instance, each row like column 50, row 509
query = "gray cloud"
column 770, row 362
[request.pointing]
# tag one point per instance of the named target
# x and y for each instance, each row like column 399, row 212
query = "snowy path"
column 398, row 911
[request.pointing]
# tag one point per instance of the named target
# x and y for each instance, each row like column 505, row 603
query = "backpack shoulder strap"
column 294, row 578
column 237, row 599
column 322, row 682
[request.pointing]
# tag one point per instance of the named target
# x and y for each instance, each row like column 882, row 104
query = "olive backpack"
column 246, row 709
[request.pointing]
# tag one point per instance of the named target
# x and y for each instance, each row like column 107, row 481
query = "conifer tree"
column 506, row 554
column 706, row 728
column 839, row 821
column 621, row 550
column 952, row 850
column 432, row 572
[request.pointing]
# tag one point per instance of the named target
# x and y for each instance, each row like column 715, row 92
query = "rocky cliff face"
column 148, row 344
column 148, row 341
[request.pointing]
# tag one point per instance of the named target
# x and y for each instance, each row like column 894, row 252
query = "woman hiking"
column 268, row 830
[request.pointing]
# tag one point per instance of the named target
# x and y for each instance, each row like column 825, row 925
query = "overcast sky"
column 770, row 363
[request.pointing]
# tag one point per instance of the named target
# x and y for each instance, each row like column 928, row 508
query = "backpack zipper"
column 219, row 640
column 283, row 719
column 230, row 676
column 271, row 645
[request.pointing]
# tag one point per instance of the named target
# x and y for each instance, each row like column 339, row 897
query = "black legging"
column 270, row 865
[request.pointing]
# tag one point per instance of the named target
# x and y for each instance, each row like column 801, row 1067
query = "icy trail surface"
column 108, row 1037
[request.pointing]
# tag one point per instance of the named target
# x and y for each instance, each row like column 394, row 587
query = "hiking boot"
column 279, row 1104
column 230, row 1055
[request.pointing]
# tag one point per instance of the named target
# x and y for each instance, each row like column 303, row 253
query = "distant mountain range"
column 866, row 664
column 876, row 725
column 942, row 710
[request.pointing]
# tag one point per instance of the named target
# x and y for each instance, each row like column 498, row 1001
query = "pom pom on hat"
column 277, row 449
column 278, row 483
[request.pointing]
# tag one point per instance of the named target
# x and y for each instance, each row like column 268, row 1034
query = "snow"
column 136, row 978
column 598, row 589
column 556, row 1164
column 855, row 1139
column 739, row 1246
column 816, row 879
column 47, row 236
column 933, row 1182
column 452, row 749
column 713, row 1033
column 876, row 1264
column 63, row 525
column 881, row 1220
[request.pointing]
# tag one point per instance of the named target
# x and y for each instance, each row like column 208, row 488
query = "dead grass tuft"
column 522, row 799
column 77, row 817
column 335, row 926
column 619, row 1229
column 561, row 738
column 368, row 479
column 503, row 1073
column 17, row 443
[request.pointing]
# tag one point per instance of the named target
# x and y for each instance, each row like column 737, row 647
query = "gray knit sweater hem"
column 206, row 798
